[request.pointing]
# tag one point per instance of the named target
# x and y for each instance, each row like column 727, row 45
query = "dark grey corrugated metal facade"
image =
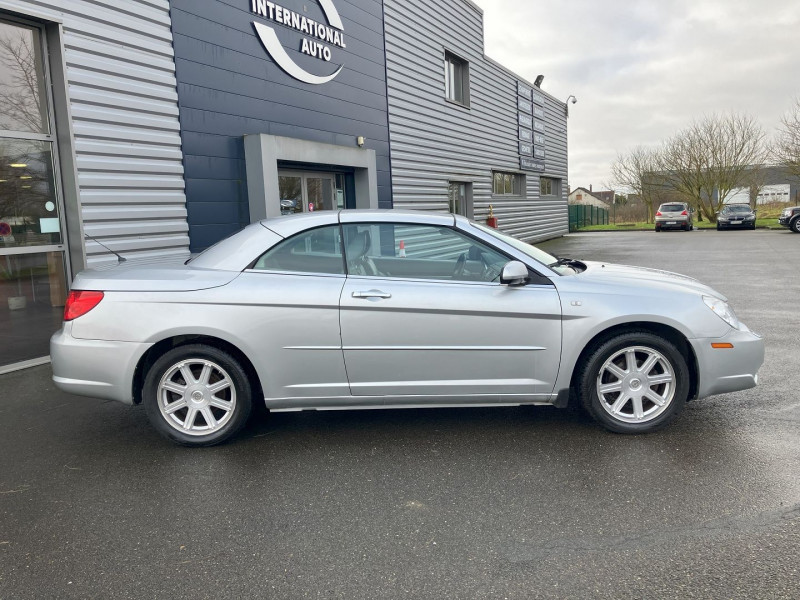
column 434, row 141
column 229, row 87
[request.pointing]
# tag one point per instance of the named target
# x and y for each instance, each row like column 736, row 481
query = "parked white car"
column 389, row 309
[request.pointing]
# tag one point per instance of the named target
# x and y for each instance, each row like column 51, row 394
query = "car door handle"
column 372, row 294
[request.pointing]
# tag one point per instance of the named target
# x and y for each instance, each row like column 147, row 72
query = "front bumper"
column 723, row 370
column 96, row 368
column 785, row 221
column 738, row 225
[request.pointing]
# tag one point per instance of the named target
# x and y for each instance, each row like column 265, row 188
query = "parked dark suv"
column 736, row 216
column 790, row 217
column 674, row 215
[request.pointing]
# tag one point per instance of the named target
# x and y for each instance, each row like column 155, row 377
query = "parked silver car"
column 674, row 215
column 387, row 309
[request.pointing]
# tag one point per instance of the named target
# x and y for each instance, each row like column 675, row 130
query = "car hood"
column 162, row 277
column 639, row 277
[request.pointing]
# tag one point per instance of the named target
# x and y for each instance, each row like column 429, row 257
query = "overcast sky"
column 642, row 70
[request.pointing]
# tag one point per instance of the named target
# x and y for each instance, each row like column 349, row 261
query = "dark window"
column 459, row 198
column 508, row 184
column 315, row 251
column 456, row 79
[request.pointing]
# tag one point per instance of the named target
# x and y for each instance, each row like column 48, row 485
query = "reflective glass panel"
column 28, row 206
column 291, row 193
column 320, row 193
column 22, row 84
column 32, row 294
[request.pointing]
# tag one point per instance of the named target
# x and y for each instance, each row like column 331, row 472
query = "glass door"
column 33, row 277
column 310, row 191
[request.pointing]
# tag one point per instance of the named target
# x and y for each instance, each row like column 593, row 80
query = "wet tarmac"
column 525, row 502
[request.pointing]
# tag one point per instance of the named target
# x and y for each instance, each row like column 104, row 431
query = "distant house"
column 583, row 196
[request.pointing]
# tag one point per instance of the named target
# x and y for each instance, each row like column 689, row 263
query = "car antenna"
column 120, row 258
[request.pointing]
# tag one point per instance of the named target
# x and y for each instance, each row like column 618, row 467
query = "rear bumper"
column 662, row 223
column 728, row 369
column 96, row 368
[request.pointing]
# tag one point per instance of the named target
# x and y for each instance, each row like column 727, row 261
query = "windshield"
column 528, row 249
column 741, row 208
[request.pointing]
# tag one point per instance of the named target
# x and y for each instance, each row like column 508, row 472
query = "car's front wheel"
column 795, row 225
column 197, row 395
column 635, row 382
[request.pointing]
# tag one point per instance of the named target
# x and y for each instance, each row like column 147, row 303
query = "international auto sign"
column 319, row 40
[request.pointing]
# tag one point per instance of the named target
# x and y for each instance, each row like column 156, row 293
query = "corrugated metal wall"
column 434, row 141
column 124, row 104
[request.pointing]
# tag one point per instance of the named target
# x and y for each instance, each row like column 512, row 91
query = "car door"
column 423, row 316
column 289, row 304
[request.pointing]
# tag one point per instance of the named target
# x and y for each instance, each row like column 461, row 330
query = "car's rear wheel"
column 658, row 229
column 197, row 395
column 795, row 225
column 635, row 382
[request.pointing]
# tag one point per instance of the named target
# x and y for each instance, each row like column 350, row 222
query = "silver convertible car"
column 390, row 309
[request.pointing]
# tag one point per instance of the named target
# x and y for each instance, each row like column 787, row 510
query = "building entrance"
column 32, row 250
column 310, row 191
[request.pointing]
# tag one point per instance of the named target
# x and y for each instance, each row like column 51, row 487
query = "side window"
column 419, row 252
column 315, row 251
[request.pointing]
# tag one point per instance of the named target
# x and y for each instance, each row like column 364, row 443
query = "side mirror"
column 514, row 273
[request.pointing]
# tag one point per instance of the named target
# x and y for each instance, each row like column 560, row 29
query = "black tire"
column 221, row 412
column 658, row 229
column 595, row 372
column 795, row 225
column 718, row 227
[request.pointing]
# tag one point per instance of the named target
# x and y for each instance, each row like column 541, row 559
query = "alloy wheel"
column 636, row 384
column 196, row 397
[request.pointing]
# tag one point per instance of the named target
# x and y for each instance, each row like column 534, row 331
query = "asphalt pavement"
column 528, row 502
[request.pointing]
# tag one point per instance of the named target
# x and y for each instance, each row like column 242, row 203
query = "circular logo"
column 5, row 229
column 317, row 41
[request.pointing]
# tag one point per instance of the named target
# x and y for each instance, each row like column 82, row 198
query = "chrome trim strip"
column 448, row 348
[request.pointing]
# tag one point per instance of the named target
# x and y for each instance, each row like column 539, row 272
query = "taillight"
column 658, row 213
column 80, row 302
column 686, row 212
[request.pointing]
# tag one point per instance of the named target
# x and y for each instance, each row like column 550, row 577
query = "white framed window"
column 456, row 78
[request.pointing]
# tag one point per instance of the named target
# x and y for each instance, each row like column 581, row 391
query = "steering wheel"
column 458, row 270
column 492, row 273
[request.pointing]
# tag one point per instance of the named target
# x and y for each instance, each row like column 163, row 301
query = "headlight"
column 722, row 310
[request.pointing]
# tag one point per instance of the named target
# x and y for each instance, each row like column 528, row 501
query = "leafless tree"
column 20, row 95
column 755, row 179
column 787, row 144
column 712, row 157
column 638, row 173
